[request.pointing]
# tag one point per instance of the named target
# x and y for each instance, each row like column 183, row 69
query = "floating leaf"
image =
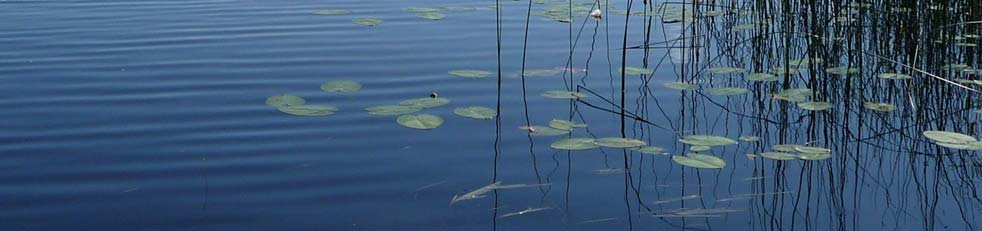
column 699, row 148
column 707, row 140
column 476, row 112
column 784, row 71
column 469, row 73
column 682, row 86
column 617, row 142
column 779, row 155
column 420, row 9
column 949, row 137
column 565, row 124
column 420, row 121
column 810, row 149
column 897, row 76
column 843, row 70
column 814, row 156
column 341, row 86
column 431, row 15
column 458, row 8
column 751, row 156
column 425, row 102
column 761, row 77
column 391, row 110
column 883, row 107
column 700, row 161
column 785, row 147
column 543, row 72
column 369, row 21
column 331, row 12
column 727, row 91
column 636, row 71
column 544, row 131
column 284, row 100
column 309, row 110
column 794, row 95
column 750, row 138
column 815, row 106
column 651, row 150
column 558, row 94
column 574, row 144
column 725, row 70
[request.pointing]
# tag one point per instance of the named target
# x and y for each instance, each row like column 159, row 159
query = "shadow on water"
column 882, row 174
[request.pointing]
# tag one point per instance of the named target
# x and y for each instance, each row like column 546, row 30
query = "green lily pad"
column 425, row 102
column 815, row 106
column 700, row 161
column 309, row 110
column 636, row 71
column 785, row 147
column 751, row 156
column 341, row 86
column 542, row 72
column 565, row 124
column 727, row 91
column 949, row 137
column 368, row 21
column 544, row 131
column 793, row 95
column 431, row 15
column 761, row 77
column 682, row 86
column 750, row 138
column 651, row 150
column 883, row 107
column 779, row 155
column 421, row 9
column 458, row 8
column 391, row 110
column 558, row 94
column 810, row 149
column 285, row 100
column 331, row 12
column 699, row 148
column 617, row 142
column 420, row 121
column 814, row 156
column 843, row 70
column 896, row 76
column 574, row 144
column 725, row 70
column 476, row 112
column 469, row 73
column 707, row 140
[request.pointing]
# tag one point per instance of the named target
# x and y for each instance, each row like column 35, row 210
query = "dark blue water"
column 150, row 115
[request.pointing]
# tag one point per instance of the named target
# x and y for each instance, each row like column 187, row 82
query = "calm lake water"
column 151, row 115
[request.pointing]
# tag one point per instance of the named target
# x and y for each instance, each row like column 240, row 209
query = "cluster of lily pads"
column 295, row 105
column 794, row 152
column 429, row 13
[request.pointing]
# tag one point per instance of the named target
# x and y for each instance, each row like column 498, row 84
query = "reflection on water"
column 151, row 115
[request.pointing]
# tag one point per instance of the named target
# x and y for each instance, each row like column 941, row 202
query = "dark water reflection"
column 150, row 115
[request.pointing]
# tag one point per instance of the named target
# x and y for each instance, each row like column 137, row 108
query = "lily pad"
column 896, row 76
column 391, row 110
column 815, row 106
column 779, row 155
column 563, row 95
column 565, row 124
column 785, row 147
column 699, row 148
column 750, row 138
column 470, row 73
column 420, row 121
column 544, row 131
column 542, row 72
column 431, row 15
column 651, row 150
column 617, row 142
column 725, row 70
column 682, row 86
column 331, row 12
column 700, row 161
column 341, row 86
column 727, row 91
column 574, row 144
column 458, row 8
column 421, row 9
column 368, row 21
column 793, row 95
column 843, row 70
column 707, row 140
column 810, row 149
column 761, row 77
column 425, row 102
column 476, row 112
column 949, row 137
column 814, row 156
column 636, row 71
column 284, row 100
column 309, row 110
column 883, row 107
